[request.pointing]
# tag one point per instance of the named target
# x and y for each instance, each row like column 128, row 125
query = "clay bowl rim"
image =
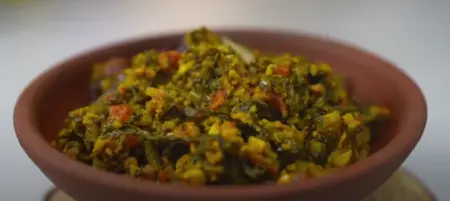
column 410, row 130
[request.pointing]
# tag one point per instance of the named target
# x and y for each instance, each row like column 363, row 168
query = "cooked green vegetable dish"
column 214, row 112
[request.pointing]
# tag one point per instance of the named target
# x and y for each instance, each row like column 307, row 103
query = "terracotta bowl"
column 42, row 106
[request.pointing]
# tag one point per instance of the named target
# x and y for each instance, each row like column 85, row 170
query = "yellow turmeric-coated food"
column 214, row 112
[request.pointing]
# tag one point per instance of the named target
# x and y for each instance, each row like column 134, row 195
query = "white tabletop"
column 36, row 34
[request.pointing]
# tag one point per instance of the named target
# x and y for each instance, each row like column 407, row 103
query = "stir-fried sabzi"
column 213, row 112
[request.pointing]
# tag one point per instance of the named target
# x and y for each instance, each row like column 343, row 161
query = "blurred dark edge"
column 49, row 194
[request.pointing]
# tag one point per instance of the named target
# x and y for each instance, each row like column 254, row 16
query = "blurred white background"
column 36, row 34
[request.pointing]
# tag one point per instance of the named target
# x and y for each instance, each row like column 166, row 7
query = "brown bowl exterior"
column 42, row 106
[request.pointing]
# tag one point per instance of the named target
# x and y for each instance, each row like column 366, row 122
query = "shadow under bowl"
column 43, row 105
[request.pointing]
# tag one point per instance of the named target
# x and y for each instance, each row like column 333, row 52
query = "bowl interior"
column 67, row 87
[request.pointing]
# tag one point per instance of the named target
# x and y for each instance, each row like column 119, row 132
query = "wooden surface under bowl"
column 42, row 106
